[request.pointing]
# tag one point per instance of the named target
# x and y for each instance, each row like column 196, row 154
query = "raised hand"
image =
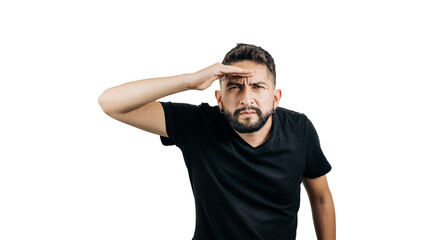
column 204, row 78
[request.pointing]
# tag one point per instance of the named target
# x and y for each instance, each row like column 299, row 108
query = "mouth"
column 247, row 113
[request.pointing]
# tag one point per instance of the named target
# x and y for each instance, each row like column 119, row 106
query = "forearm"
column 132, row 95
column 324, row 219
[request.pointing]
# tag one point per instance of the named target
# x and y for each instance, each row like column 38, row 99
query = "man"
column 246, row 157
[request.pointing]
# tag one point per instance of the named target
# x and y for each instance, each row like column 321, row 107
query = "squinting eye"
column 234, row 87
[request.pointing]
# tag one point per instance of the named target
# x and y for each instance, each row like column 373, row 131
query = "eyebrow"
column 239, row 84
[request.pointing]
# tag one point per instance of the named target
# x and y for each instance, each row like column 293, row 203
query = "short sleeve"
column 181, row 120
column 316, row 162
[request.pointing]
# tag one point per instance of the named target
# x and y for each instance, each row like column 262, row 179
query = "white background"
column 68, row 171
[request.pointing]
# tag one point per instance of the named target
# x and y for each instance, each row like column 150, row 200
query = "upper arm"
column 317, row 189
column 150, row 118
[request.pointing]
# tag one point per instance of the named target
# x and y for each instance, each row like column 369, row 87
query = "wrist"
column 191, row 80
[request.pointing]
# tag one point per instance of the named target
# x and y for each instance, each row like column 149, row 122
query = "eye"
column 234, row 87
column 257, row 86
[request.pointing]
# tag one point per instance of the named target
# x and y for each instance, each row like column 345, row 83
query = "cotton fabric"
column 240, row 191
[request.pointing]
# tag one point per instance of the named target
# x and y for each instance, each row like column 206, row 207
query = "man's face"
column 248, row 102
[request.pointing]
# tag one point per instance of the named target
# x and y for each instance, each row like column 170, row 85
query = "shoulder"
column 203, row 110
column 291, row 121
column 205, row 107
column 289, row 115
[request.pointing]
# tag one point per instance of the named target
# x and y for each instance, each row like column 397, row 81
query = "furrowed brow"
column 229, row 84
column 240, row 85
column 258, row 83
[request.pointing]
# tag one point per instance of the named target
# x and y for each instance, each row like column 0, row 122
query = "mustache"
column 248, row 108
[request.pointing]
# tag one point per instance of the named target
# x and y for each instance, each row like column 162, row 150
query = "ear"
column 218, row 97
column 277, row 97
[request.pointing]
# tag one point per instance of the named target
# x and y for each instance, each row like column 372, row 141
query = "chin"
column 248, row 121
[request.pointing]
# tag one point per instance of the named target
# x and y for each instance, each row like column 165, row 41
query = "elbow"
column 102, row 101
column 322, row 200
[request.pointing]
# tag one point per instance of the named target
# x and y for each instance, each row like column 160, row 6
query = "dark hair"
column 251, row 52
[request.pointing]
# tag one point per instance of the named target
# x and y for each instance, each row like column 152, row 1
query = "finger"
column 246, row 74
column 235, row 70
column 240, row 74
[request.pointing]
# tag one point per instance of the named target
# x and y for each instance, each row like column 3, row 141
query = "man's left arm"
column 322, row 207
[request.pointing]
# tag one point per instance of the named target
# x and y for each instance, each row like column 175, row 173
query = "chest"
column 227, row 169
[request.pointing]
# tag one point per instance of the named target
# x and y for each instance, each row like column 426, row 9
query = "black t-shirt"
column 240, row 191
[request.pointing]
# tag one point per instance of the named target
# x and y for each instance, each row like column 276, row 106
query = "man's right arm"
column 134, row 103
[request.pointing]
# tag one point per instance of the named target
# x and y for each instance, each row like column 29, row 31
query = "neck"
column 259, row 137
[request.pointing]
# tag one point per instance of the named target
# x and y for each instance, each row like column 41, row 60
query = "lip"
column 247, row 113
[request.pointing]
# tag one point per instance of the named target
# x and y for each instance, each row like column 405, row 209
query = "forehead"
column 258, row 68
column 261, row 73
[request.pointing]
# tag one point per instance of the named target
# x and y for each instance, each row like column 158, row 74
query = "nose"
column 247, row 97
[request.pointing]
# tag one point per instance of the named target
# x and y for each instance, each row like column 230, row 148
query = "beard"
column 246, row 126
